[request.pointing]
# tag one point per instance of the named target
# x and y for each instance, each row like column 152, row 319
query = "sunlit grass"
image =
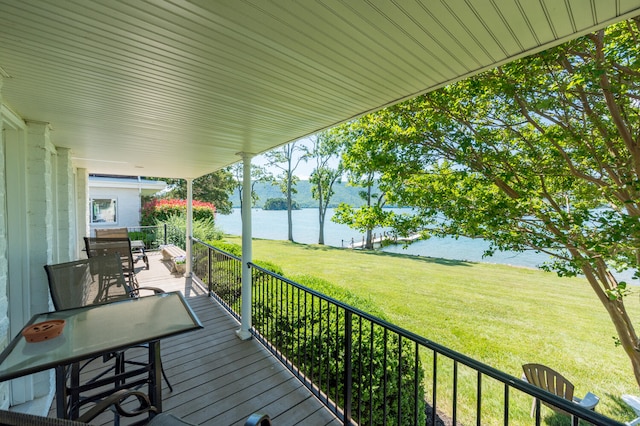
column 503, row 316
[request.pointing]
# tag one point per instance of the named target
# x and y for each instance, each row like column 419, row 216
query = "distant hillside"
column 343, row 194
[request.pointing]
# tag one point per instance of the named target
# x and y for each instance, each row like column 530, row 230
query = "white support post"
column 189, row 230
column 245, row 324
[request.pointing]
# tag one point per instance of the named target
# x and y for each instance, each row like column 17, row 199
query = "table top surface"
column 98, row 329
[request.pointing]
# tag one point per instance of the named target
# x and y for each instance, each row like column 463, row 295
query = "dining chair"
column 87, row 282
column 136, row 245
column 114, row 245
column 91, row 281
column 117, row 402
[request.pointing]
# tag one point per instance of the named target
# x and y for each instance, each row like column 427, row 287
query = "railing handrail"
column 456, row 356
column 195, row 240
column 484, row 369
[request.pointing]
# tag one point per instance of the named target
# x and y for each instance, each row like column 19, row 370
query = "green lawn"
column 503, row 316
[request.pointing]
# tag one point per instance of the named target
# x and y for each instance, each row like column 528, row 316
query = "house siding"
column 82, row 207
column 127, row 206
column 128, row 192
column 40, row 214
column 66, row 228
column 4, row 270
column 44, row 198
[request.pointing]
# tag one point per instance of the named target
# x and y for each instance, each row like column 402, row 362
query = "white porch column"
column 82, row 211
column 245, row 325
column 41, row 210
column 189, row 230
column 66, row 244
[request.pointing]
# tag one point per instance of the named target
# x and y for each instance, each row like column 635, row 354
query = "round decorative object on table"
column 42, row 331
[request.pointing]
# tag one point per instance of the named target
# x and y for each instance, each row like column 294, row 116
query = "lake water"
column 272, row 225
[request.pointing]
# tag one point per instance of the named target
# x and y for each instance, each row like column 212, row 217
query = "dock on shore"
column 379, row 239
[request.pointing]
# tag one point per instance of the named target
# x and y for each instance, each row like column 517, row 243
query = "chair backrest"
column 106, row 246
column 87, row 282
column 549, row 380
column 112, row 233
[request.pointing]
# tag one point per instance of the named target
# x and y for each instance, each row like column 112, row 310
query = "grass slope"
column 501, row 315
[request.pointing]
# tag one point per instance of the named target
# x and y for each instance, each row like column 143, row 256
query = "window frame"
column 113, row 204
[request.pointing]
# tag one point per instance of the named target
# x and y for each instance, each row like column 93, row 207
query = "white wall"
column 40, row 219
column 127, row 205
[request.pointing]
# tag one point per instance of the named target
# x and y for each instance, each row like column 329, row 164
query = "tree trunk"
column 618, row 314
column 321, row 223
column 289, row 215
column 369, row 240
column 321, row 234
column 322, row 211
column 626, row 334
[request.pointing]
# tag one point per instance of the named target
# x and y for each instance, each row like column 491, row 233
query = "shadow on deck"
column 218, row 379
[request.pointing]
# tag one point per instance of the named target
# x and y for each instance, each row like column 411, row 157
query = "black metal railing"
column 155, row 236
column 151, row 236
column 366, row 370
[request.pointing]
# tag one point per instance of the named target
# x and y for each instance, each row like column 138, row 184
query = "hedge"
column 159, row 210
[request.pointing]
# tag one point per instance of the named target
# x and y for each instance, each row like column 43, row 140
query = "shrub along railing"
column 155, row 236
column 366, row 370
column 152, row 236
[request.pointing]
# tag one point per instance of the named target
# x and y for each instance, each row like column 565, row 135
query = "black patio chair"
column 136, row 245
column 91, row 281
column 114, row 245
column 116, row 401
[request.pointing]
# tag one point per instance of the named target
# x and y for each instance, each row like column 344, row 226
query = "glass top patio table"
column 99, row 329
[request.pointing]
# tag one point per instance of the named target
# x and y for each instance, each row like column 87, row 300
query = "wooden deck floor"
column 217, row 378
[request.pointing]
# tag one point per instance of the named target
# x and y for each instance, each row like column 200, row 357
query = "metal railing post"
column 348, row 377
column 210, row 269
column 165, row 234
column 388, row 398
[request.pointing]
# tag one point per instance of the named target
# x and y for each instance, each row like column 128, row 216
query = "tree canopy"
column 323, row 178
column 287, row 159
column 364, row 157
column 542, row 153
column 213, row 188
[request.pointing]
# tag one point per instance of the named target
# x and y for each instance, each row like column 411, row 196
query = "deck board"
column 216, row 377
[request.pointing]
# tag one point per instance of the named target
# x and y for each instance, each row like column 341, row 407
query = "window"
column 103, row 210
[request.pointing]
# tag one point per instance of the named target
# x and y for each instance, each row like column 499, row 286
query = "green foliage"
column 258, row 175
column 364, row 162
column 317, row 348
column 159, row 210
column 279, row 204
column 339, row 293
column 323, row 178
column 269, row 266
column 275, row 309
column 212, row 188
column 149, row 237
column 343, row 193
column 203, row 229
column 541, row 153
column 231, row 248
column 285, row 159
column 363, row 219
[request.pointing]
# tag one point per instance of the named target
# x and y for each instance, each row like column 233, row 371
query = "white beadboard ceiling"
column 178, row 88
